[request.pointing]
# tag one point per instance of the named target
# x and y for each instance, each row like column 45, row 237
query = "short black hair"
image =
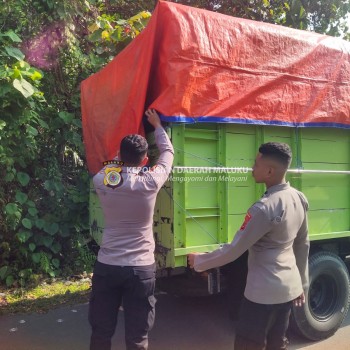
column 133, row 149
column 278, row 151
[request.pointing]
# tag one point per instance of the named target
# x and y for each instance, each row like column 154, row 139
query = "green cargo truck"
column 207, row 195
column 216, row 128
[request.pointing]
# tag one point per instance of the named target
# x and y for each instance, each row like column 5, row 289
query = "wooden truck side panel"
column 201, row 207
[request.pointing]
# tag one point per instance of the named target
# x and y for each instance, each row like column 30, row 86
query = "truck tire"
column 327, row 301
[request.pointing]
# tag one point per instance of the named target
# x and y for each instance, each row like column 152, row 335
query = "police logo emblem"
column 112, row 177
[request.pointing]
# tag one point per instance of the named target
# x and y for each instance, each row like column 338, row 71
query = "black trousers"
column 262, row 327
column 130, row 286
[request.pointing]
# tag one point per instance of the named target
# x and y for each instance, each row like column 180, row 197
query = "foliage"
column 111, row 34
column 45, row 295
column 47, row 49
column 324, row 16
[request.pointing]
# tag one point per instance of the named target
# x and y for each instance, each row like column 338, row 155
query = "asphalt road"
column 182, row 323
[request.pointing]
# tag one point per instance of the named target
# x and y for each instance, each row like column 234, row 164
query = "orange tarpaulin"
column 194, row 65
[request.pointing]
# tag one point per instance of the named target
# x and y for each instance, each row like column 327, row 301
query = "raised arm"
column 161, row 170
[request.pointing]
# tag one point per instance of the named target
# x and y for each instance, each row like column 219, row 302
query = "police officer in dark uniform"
column 275, row 232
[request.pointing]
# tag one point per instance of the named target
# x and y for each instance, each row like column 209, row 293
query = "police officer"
column 125, row 269
column 275, row 232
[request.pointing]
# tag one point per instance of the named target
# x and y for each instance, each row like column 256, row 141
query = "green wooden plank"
column 326, row 180
column 201, row 190
column 199, row 153
column 163, row 227
column 202, row 231
column 327, row 166
column 235, row 222
column 178, row 193
column 200, row 212
column 200, row 134
column 327, row 197
column 222, row 186
column 320, row 222
column 327, row 221
column 202, row 126
column 327, row 191
column 240, row 150
column 324, row 134
column 178, row 142
column 332, row 235
column 199, row 249
column 278, row 131
column 259, row 139
column 325, row 151
column 276, row 138
column 180, row 261
column 240, row 199
column 240, row 129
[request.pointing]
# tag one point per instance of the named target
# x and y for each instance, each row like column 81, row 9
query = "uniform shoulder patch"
column 246, row 220
column 112, row 177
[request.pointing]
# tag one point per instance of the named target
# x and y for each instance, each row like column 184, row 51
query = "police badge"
column 113, row 177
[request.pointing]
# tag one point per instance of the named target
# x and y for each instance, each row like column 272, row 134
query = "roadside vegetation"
column 43, row 296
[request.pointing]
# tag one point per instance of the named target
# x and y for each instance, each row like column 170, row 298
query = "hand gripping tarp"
column 193, row 65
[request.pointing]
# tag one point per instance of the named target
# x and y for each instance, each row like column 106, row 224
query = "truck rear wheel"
column 327, row 301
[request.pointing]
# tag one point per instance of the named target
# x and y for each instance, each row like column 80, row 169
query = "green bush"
column 47, row 49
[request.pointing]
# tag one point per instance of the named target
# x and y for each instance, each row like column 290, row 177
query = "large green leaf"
column 56, row 247
column 5, row 87
column 58, row 186
column 43, row 124
column 48, row 241
column 24, row 87
column 11, row 208
column 27, row 223
column 13, row 36
column 51, row 229
column 21, row 197
column 2, row 124
column 76, row 138
column 33, row 211
column 31, row 204
column 55, row 263
column 64, row 230
column 9, row 177
column 96, row 35
column 66, row 117
column 39, row 223
column 32, row 131
column 23, row 178
column 23, row 236
column 36, row 257
column 77, row 122
column 15, row 53
column 49, row 185
column 3, row 272
column 9, row 280
column 32, row 247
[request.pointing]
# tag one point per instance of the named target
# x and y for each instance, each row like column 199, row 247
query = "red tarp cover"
column 194, row 65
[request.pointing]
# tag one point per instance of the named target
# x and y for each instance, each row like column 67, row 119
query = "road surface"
column 182, row 323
